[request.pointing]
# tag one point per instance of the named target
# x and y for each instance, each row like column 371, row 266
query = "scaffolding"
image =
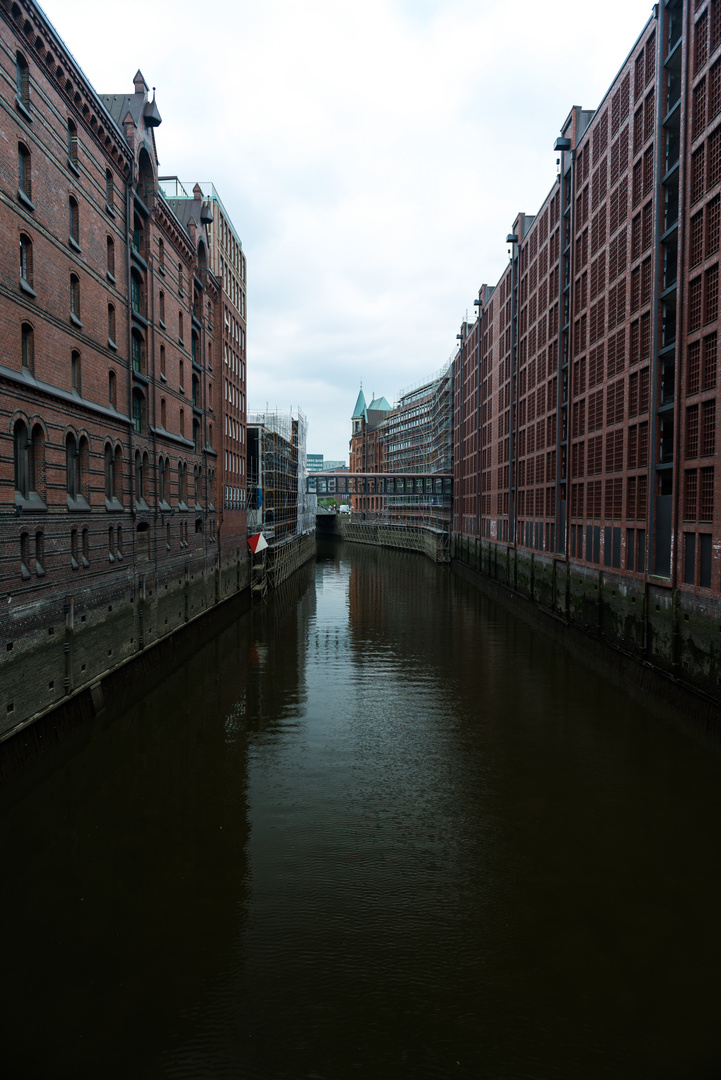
column 417, row 437
column 278, row 505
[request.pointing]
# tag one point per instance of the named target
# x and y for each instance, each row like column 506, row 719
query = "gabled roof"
column 379, row 405
column 360, row 405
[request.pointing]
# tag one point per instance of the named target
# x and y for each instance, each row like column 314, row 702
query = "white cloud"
column 372, row 157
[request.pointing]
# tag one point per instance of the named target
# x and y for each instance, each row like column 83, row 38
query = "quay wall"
column 670, row 639
column 430, row 542
column 66, row 654
column 60, row 646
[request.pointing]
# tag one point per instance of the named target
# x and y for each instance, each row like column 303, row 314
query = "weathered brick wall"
column 53, row 650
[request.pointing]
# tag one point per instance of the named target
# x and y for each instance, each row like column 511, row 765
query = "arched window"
column 196, row 391
column 74, row 220
column 181, row 279
column 26, row 260
column 72, row 466
column 210, row 435
column 182, row 422
column 138, row 352
column 182, row 473
column 162, row 361
column 196, row 484
column 109, row 189
column 110, row 487
column 161, row 307
column 181, row 380
column 194, row 347
column 136, row 292
column 161, row 256
column 118, row 475
column 27, row 347
column 138, row 475
column 111, row 324
column 72, row 144
column 110, row 258
column 138, row 235
column 25, row 182
column 196, row 435
column 74, row 298
column 22, row 80
column 75, row 371
column 138, row 412
column 112, row 389
column 22, row 459
column 180, row 327
column 163, row 414
column 111, row 543
column 161, row 480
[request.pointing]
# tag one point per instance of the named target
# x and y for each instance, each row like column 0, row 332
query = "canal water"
column 377, row 828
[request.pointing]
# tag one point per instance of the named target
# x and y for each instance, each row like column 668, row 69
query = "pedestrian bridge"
column 430, row 485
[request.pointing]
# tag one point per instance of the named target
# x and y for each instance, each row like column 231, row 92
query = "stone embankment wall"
column 430, row 542
column 70, row 653
column 60, row 648
column 668, row 631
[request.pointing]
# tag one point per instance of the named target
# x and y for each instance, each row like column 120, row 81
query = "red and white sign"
column 257, row 543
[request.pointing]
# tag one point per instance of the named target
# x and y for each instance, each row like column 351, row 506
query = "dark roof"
column 119, row 105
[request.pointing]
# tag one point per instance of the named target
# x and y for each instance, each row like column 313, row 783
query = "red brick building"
column 110, row 381
column 586, row 392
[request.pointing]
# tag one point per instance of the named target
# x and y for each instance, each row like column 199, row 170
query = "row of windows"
column 32, row 548
column 29, row 470
column 138, row 360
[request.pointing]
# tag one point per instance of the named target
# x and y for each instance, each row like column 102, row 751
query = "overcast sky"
column 372, row 156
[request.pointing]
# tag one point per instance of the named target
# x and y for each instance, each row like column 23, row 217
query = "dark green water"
column 376, row 829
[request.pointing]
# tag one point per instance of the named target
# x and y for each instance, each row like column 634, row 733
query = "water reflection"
column 377, row 828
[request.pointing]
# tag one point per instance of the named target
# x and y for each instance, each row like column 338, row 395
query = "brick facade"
column 110, row 379
column 590, row 379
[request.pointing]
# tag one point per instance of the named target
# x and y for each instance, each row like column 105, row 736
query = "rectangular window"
column 696, row 245
column 694, row 353
column 711, row 299
column 694, row 304
column 705, row 507
column 714, row 158
column 699, row 109
column 697, row 173
column 712, row 225
column 701, row 43
column 709, row 362
column 692, row 431
column 708, row 428
column 714, row 91
column 690, row 502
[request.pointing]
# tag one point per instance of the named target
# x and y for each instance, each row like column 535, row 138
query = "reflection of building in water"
column 278, row 504
column 415, row 436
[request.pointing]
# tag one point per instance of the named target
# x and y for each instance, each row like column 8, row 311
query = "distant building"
column 414, row 436
column 334, row 466
column 365, row 453
column 278, row 504
column 315, row 463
